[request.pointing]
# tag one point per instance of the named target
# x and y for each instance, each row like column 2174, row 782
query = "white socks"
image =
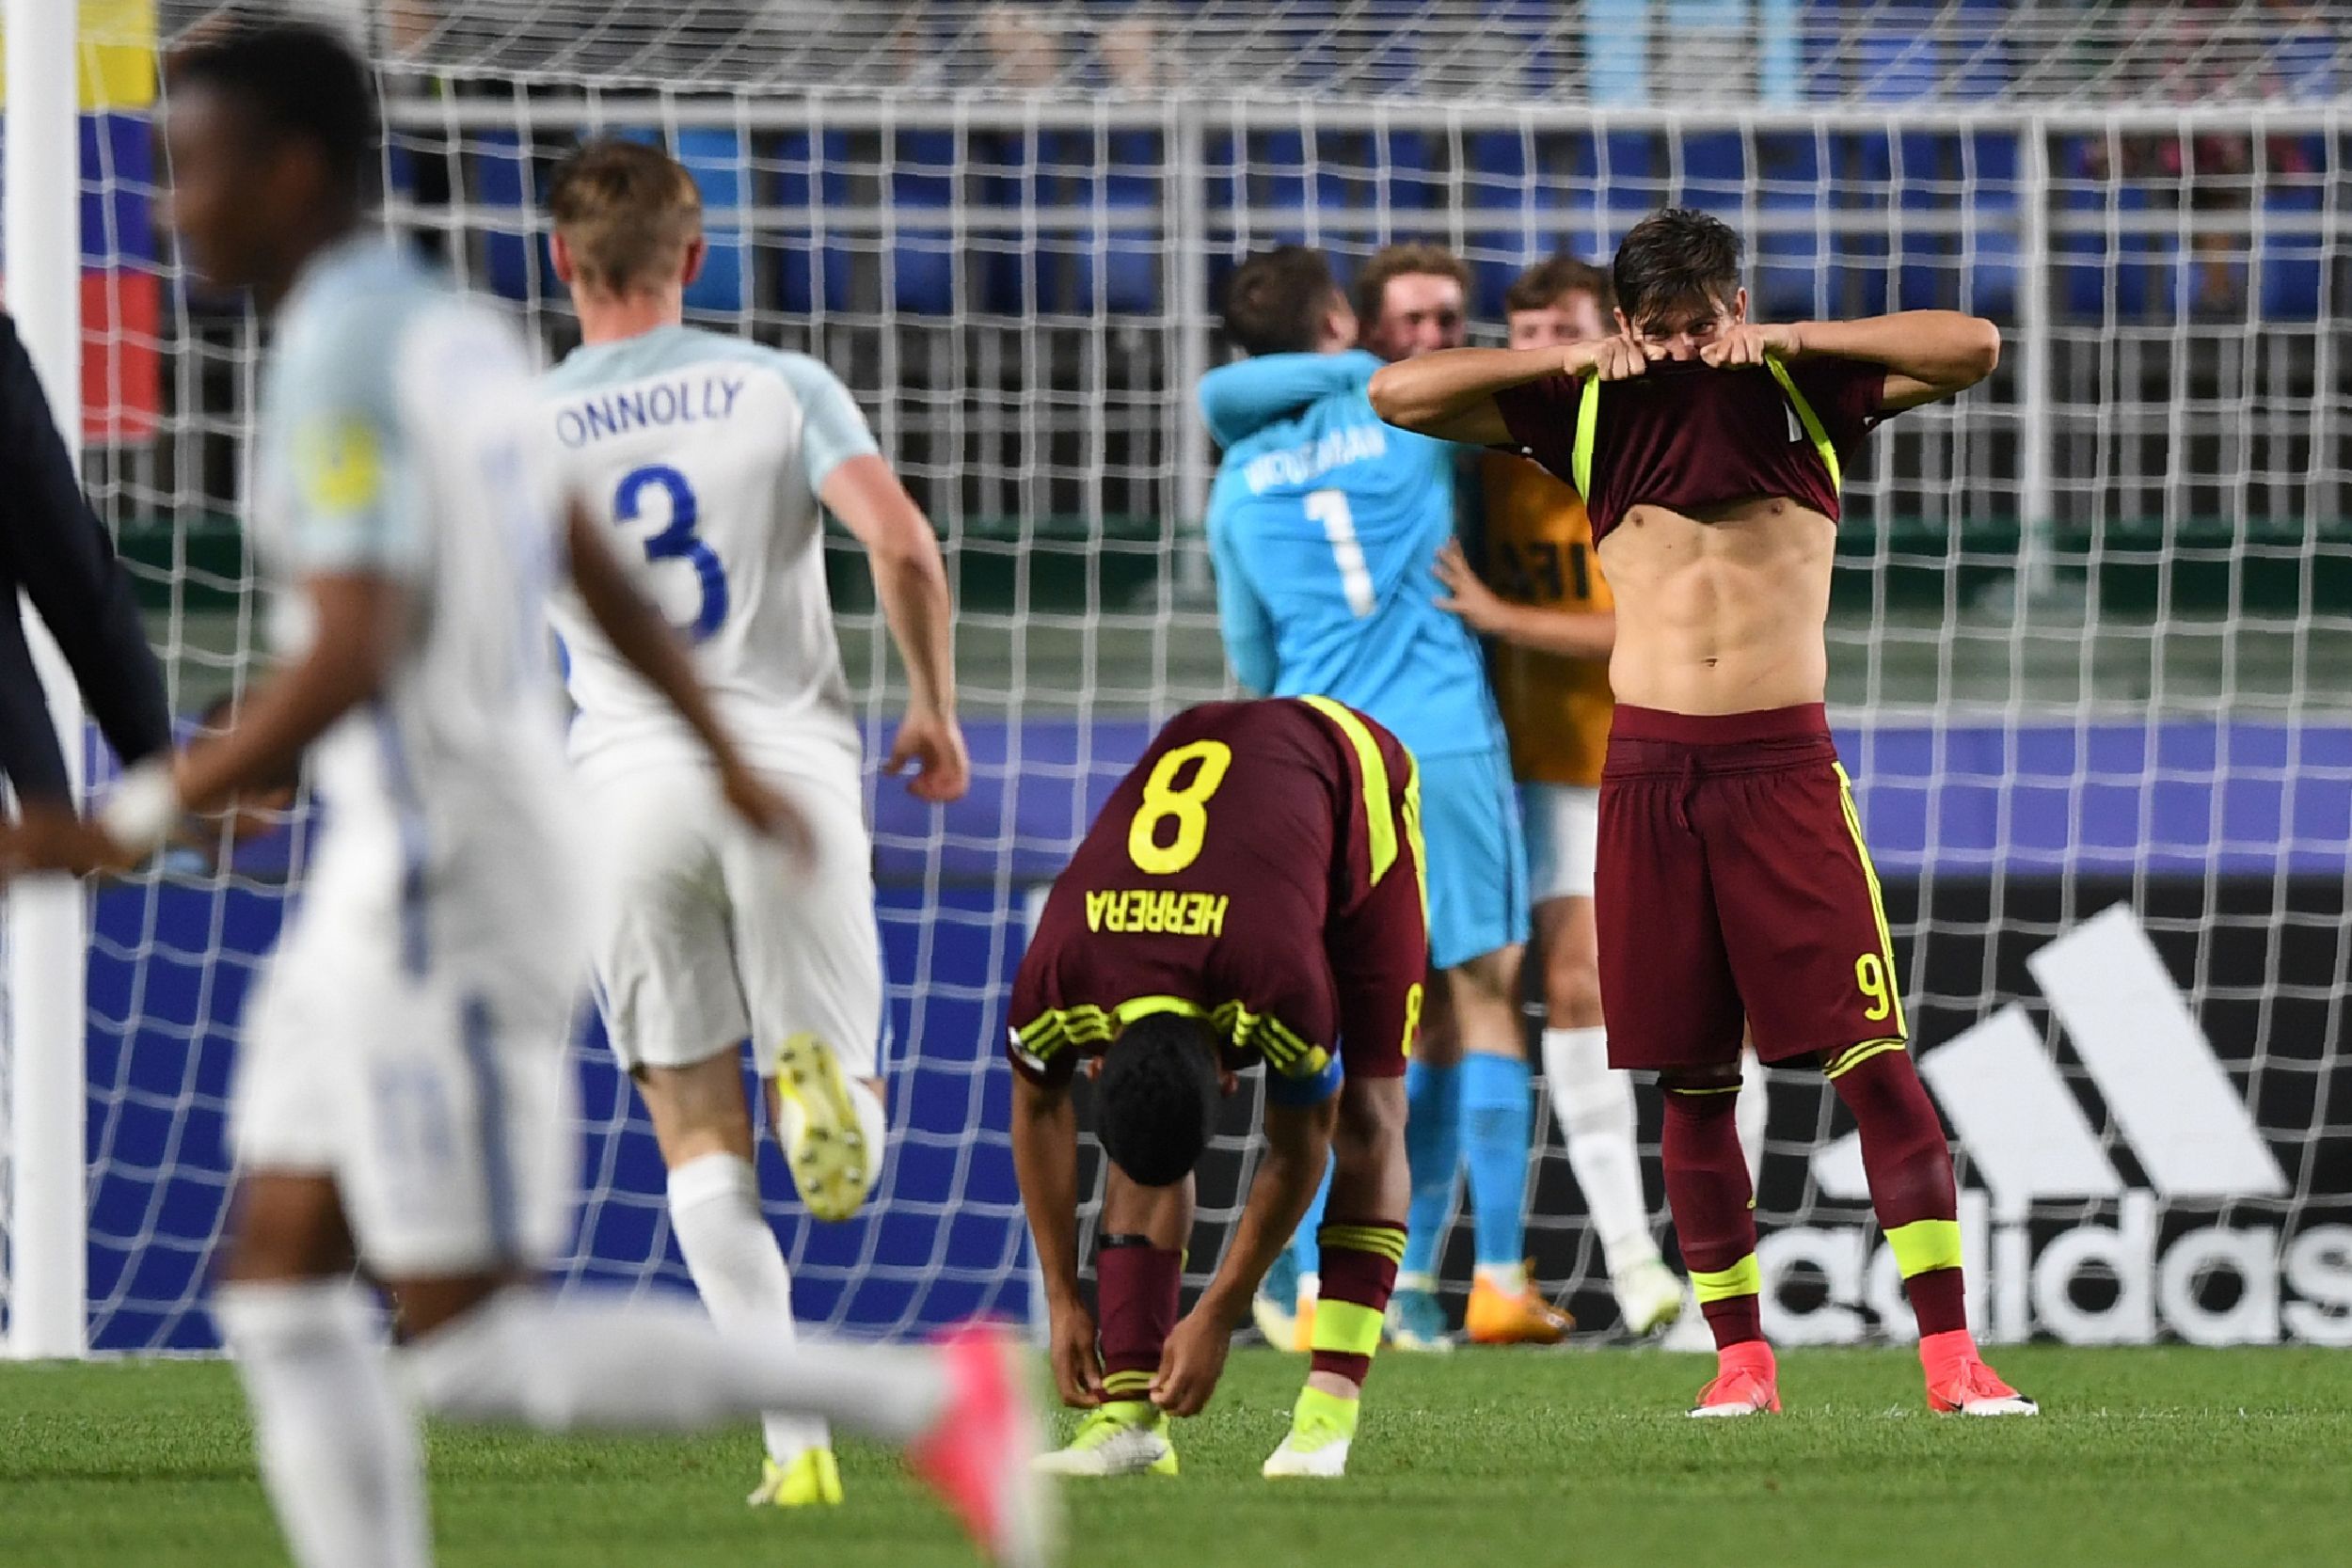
column 1750, row 1116
column 339, row 1450
column 584, row 1363
column 1597, row 1120
column 740, row 1269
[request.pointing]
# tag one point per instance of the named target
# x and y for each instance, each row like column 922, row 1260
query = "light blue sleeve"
column 833, row 428
column 1242, row 619
column 1241, row 399
column 358, row 503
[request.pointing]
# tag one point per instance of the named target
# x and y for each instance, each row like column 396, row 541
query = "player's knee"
column 1371, row 1118
column 1572, row 992
column 1156, row 1098
column 1486, row 996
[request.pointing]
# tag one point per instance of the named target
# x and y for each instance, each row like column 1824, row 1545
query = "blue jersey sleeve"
column 1242, row 618
column 1239, row 400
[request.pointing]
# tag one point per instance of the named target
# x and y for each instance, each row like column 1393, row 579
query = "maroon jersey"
column 1261, row 868
column 1686, row 436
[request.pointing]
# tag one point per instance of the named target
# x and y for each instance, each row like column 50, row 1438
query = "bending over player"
column 403, row 1105
column 708, row 456
column 1250, row 892
column 1732, row 876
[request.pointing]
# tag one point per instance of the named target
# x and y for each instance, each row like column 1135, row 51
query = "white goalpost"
column 47, row 934
column 2090, row 644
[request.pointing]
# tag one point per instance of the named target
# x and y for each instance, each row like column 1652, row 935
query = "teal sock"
column 1303, row 1249
column 1433, row 1153
column 1498, row 1127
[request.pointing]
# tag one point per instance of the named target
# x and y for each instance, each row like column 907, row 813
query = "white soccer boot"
column 1322, row 1427
column 1125, row 1439
column 1649, row 1297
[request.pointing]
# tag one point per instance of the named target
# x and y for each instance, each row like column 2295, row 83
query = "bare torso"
column 1721, row 612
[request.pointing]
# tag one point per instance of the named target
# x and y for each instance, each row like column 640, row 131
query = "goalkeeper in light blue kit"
column 1324, row 527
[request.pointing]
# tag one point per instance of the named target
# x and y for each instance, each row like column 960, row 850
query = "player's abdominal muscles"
column 1723, row 614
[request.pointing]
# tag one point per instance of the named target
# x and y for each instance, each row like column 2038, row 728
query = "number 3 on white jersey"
column 678, row 542
column 1329, row 508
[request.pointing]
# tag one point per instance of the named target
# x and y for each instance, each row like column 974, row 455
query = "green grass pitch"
column 2146, row 1458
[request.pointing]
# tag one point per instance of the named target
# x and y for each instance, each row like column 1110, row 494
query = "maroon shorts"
column 1732, row 884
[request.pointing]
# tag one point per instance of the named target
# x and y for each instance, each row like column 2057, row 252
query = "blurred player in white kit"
column 403, row 1098
column 707, row 458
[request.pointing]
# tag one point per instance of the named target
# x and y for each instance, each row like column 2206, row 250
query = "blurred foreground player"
column 403, row 1096
column 1732, row 876
column 1250, row 892
column 709, row 460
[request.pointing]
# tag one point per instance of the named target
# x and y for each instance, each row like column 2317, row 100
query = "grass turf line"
column 2164, row 1457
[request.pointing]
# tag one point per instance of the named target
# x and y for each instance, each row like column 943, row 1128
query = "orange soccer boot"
column 1505, row 1311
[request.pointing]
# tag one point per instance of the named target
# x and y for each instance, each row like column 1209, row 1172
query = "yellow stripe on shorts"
column 1878, row 898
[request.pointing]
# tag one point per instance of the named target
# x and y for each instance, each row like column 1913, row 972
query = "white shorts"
column 1562, row 833
column 712, row 936
column 441, row 1102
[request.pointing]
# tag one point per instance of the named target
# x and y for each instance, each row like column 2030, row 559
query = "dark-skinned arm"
column 1045, row 1163
column 1298, row 1151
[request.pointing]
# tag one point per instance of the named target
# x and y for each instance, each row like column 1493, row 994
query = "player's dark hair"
column 1674, row 257
column 1156, row 1100
column 297, row 80
column 1553, row 279
column 1277, row 301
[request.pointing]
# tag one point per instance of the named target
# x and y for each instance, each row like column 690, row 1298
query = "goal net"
column 2091, row 634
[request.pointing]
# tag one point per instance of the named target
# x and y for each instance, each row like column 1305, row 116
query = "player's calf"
column 1359, row 1263
column 1136, row 1287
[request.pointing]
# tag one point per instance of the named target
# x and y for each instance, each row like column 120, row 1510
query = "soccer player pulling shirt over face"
column 1732, row 876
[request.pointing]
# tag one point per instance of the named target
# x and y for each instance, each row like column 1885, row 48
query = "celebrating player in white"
column 707, row 457
column 401, row 1102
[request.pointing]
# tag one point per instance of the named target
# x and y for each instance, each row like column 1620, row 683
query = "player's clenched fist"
column 1751, row 344
column 1617, row 358
column 934, row 744
column 1078, row 1370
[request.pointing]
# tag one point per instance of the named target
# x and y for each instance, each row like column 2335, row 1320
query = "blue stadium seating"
column 1993, row 216
column 1528, row 24
column 2293, row 264
column 1790, row 262
column 919, row 247
column 715, row 158
column 502, row 178
column 813, row 179
column 1128, row 259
